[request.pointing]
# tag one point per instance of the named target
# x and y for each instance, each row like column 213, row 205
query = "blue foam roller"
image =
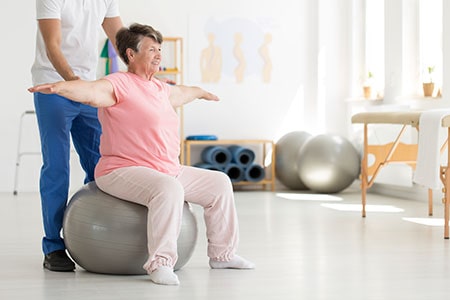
column 216, row 155
column 202, row 138
column 235, row 172
column 255, row 173
column 241, row 156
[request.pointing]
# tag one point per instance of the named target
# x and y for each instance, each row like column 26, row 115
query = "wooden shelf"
column 168, row 72
column 172, row 60
column 264, row 145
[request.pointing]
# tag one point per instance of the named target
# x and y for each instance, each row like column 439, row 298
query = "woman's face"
column 148, row 58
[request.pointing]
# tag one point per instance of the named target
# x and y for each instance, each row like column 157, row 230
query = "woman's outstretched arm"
column 181, row 94
column 99, row 93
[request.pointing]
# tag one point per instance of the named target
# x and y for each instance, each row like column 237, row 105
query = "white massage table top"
column 394, row 117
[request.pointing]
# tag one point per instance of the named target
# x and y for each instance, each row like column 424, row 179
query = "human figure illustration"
column 211, row 61
column 239, row 71
column 265, row 55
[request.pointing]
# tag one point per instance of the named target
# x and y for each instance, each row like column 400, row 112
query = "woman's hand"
column 209, row 96
column 46, row 88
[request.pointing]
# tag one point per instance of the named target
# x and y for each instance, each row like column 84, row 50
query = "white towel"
column 428, row 157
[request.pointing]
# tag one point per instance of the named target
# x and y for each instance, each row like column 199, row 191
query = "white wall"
column 17, row 52
column 311, row 54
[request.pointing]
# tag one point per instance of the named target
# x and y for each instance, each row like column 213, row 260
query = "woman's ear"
column 130, row 54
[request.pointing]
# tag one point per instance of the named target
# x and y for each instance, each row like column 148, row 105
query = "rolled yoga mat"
column 254, row 173
column 241, row 156
column 216, row 155
column 235, row 172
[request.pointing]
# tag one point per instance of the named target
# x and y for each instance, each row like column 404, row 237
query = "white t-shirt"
column 80, row 27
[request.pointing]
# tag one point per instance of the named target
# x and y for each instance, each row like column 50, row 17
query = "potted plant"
column 428, row 86
column 367, row 87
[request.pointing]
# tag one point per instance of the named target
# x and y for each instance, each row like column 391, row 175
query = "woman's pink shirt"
column 141, row 129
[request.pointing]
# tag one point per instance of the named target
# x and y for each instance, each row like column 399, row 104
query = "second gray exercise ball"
column 105, row 234
column 287, row 154
column 328, row 163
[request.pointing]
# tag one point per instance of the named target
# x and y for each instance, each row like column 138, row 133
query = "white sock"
column 236, row 262
column 164, row 275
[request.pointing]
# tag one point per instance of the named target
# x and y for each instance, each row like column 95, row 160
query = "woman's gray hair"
column 131, row 37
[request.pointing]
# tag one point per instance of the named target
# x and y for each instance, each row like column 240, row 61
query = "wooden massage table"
column 398, row 152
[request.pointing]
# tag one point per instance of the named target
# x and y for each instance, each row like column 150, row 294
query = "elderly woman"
column 140, row 149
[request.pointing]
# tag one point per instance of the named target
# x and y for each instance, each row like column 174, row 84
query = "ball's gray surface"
column 328, row 163
column 287, row 154
column 104, row 234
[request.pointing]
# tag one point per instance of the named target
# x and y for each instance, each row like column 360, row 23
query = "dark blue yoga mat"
column 235, row 172
column 241, row 156
column 254, row 173
column 216, row 155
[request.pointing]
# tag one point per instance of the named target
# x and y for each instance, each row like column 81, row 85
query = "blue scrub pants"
column 59, row 119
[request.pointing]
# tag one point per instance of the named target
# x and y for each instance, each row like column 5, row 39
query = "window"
column 374, row 44
column 430, row 18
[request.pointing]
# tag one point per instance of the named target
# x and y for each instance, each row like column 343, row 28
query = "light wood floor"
column 303, row 249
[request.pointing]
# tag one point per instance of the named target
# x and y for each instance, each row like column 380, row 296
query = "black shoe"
column 58, row 261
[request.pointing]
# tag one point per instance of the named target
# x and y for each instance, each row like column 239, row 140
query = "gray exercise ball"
column 104, row 234
column 286, row 154
column 328, row 163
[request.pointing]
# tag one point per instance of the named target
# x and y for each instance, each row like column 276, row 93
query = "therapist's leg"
column 54, row 115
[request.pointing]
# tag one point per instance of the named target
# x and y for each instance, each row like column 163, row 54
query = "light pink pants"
column 164, row 196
